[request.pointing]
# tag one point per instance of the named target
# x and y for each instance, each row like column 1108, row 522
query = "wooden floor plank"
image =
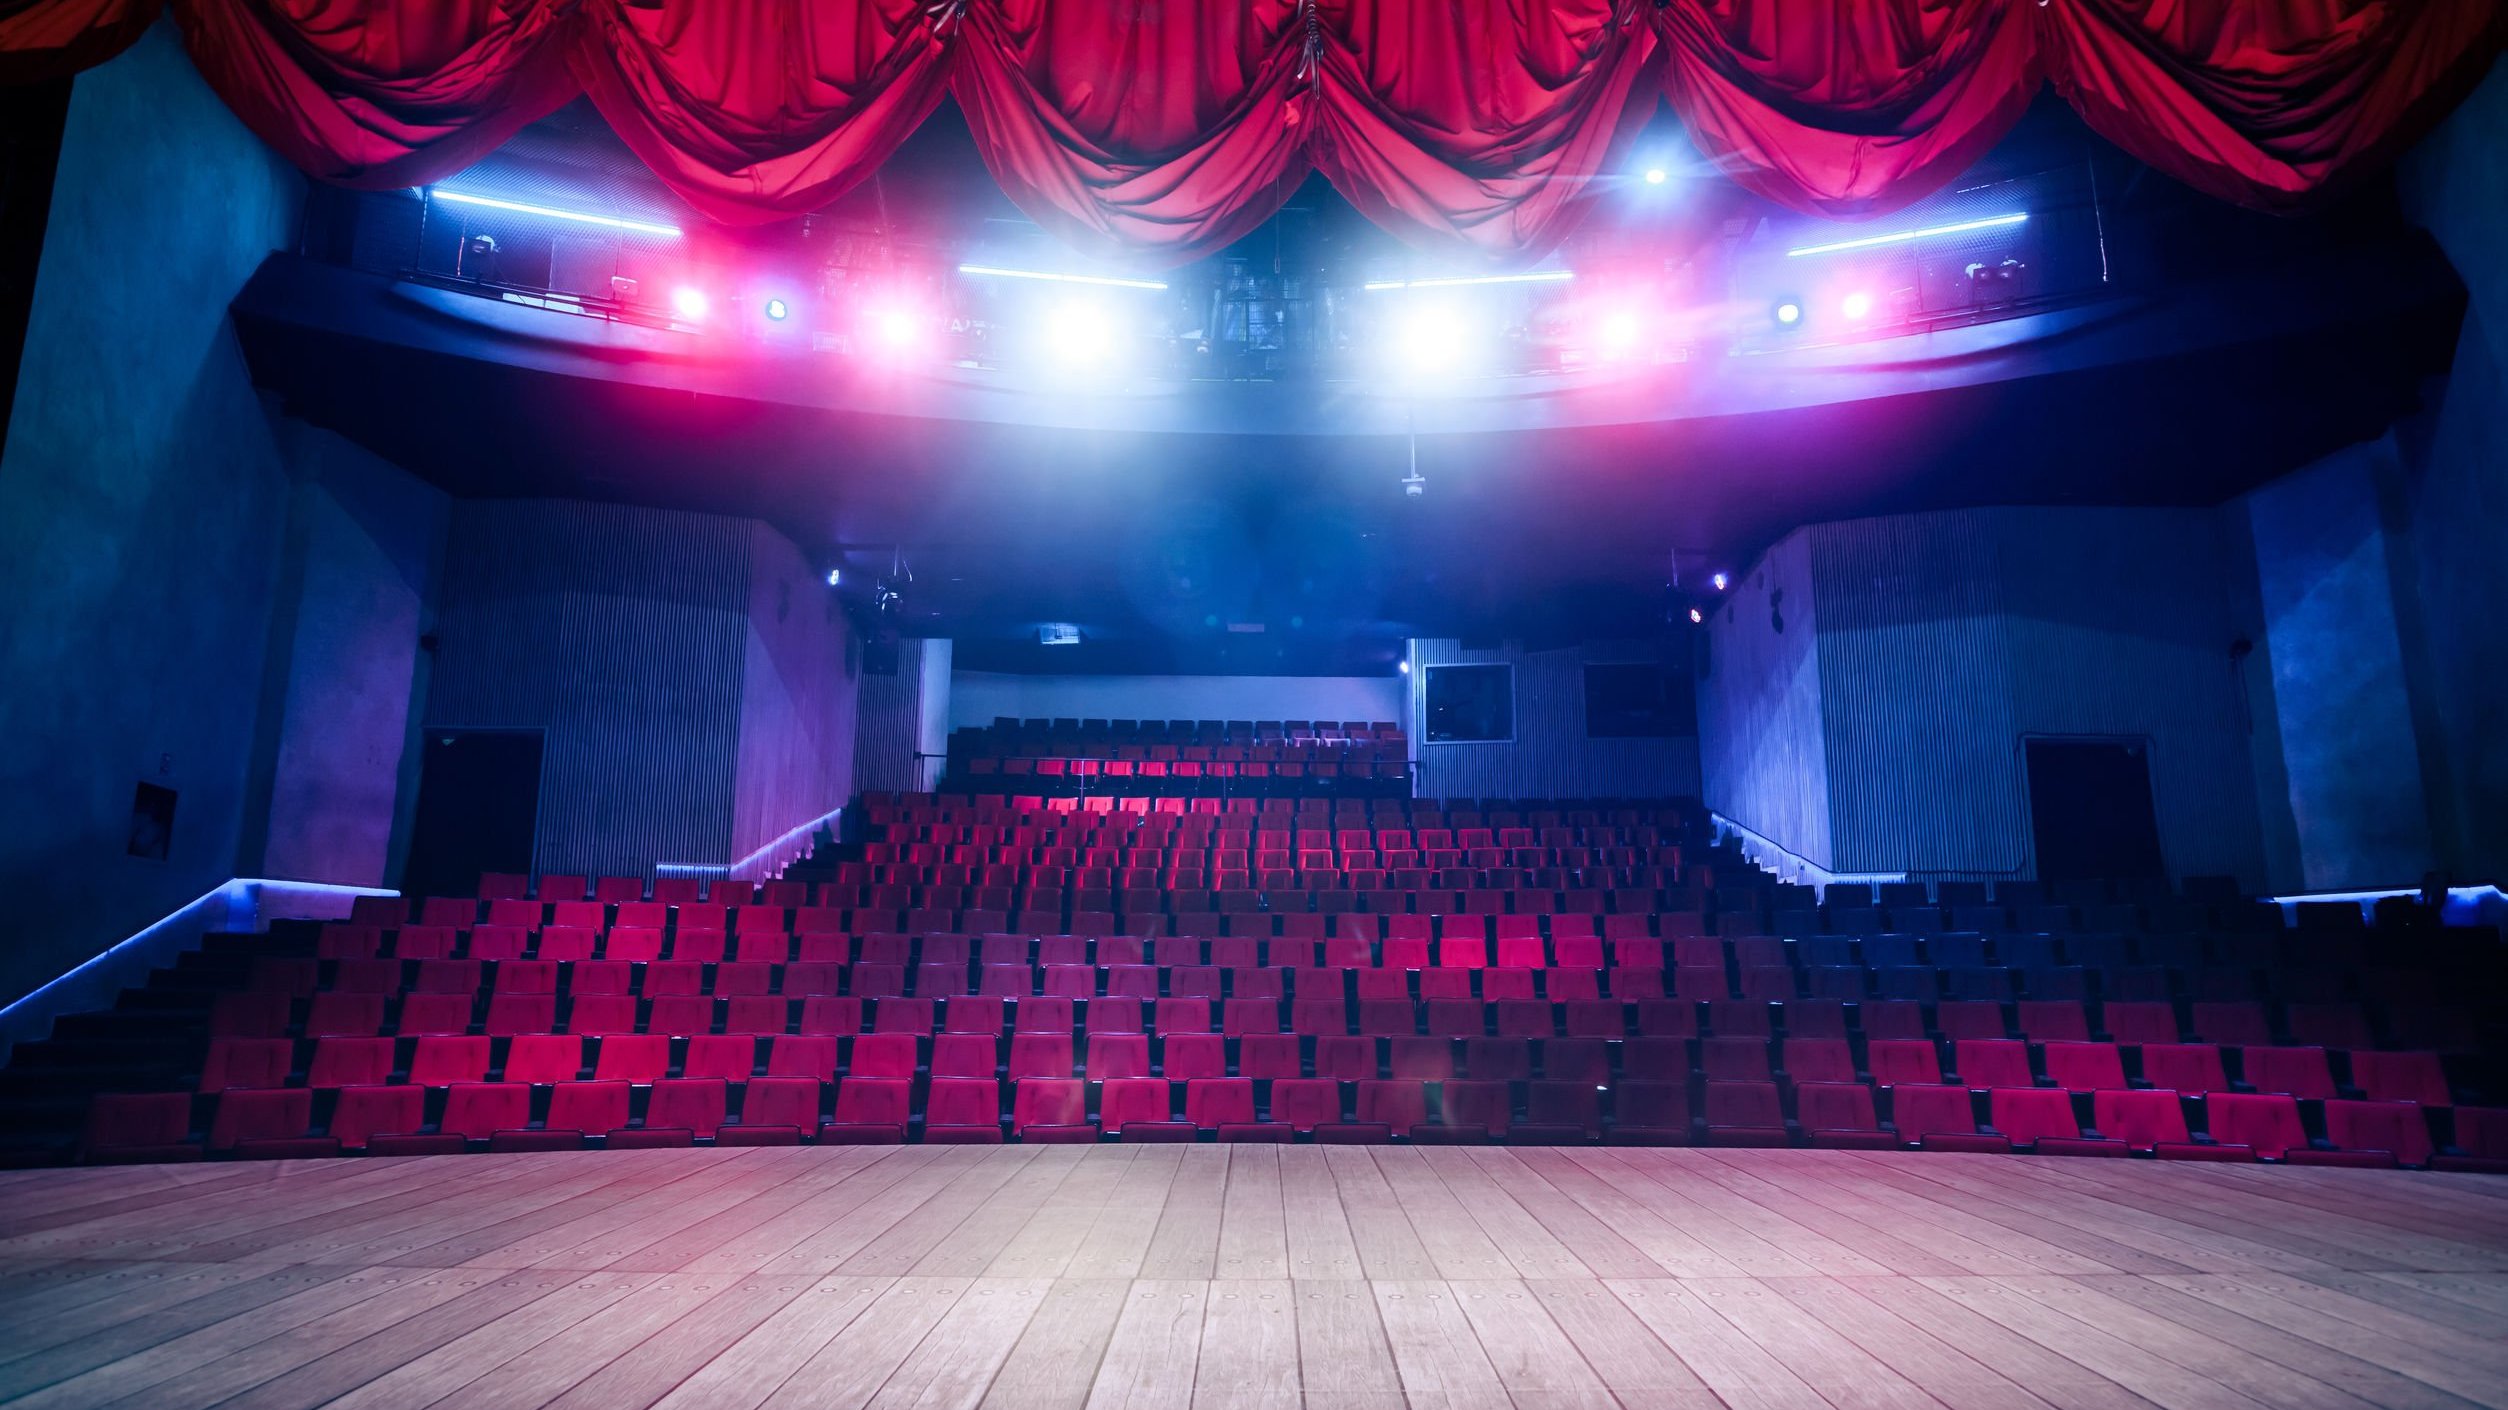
column 1155, row 1352
column 1254, row 1276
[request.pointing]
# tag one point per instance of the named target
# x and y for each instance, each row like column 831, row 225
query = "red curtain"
column 1478, row 127
column 2266, row 104
column 46, row 39
column 374, row 94
column 1136, row 126
column 759, row 109
column 1847, row 108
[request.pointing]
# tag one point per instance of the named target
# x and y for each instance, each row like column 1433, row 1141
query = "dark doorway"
column 2090, row 810
column 478, row 810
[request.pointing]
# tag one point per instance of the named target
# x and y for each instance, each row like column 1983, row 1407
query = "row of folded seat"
column 521, row 995
column 407, row 1119
column 437, row 1060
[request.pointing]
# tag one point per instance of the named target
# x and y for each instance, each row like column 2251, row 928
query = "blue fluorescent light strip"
column 1903, row 236
column 644, row 227
column 990, row 271
column 1539, row 276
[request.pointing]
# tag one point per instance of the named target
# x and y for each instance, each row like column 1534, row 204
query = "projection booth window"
column 1471, row 704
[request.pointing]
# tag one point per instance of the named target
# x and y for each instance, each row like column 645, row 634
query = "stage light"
column 835, row 577
column 1656, row 176
column 1538, row 276
column 1430, row 340
column 1901, row 237
column 1857, row 305
column 1083, row 334
column 892, row 329
column 778, row 310
column 689, row 302
column 1619, row 333
column 993, row 272
column 1696, row 617
column 1721, row 582
column 641, row 227
column 1788, row 312
column 1403, row 666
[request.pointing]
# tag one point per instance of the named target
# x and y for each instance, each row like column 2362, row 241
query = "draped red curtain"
column 1847, row 108
column 2266, row 104
column 1478, row 127
column 373, row 94
column 1134, row 125
column 759, row 109
column 46, row 39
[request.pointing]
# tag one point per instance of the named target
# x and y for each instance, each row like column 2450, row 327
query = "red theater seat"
column 478, row 1110
column 2265, row 1124
column 246, row 1062
column 363, row 1113
column 1940, row 1119
column 1839, row 1116
column 2142, row 1120
column 587, row 1108
column 1126, row 1099
column 2396, row 1130
column 2401, row 1077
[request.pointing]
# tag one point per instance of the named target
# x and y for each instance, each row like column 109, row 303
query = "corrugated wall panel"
column 890, row 730
column 621, row 633
column 1763, row 754
column 1550, row 756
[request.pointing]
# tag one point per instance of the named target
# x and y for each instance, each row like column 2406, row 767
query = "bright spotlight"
column 1857, row 305
column 1403, row 666
column 1430, row 340
column 835, row 577
column 1788, row 313
column 1619, row 333
column 1721, row 582
column 1696, row 617
column 891, row 330
column 1656, row 176
column 778, row 310
column 1083, row 333
column 689, row 302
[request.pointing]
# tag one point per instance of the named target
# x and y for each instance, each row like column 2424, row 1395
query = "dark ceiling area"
column 1266, row 528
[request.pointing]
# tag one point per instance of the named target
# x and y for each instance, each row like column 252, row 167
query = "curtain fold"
column 754, row 110
column 1479, row 128
column 1167, row 128
column 48, row 39
column 1847, row 108
column 373, row 94
column 2266, row 104
column 1132, row 126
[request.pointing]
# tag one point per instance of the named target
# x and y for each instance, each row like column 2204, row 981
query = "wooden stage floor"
column 1251, row 1276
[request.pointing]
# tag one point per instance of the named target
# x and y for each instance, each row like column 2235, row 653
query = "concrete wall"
column 359, row 579
column 2453, row 503
column 1550, row 757
column 976, row 697
column 141, row 510
column 2349, row 761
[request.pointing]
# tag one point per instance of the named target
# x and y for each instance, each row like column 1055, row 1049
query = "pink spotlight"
column 1619, row 333
column 689, row 302
column 891, row 330
column 1857, row 305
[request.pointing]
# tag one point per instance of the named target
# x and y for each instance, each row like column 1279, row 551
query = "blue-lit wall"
column 1940, row 644
column 1550, row 756
column 141, row 509
column 687, row 671
column 2454, row 504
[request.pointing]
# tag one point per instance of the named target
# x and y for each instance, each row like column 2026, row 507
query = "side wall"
column 364, row 556
column 905, row 715
column 141, row 527
column 977, row 697
column 622, row 634
column 797, row 703
column 2455, row 501
column 1763, row 760
column 1550, row 757
column 1941, row 643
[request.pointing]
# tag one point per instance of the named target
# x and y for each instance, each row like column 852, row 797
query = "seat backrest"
column 1835, row 1106
column 2266, row 1123
column 2141, row 1119
column 1918, row 1111
column 2084, row 1067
